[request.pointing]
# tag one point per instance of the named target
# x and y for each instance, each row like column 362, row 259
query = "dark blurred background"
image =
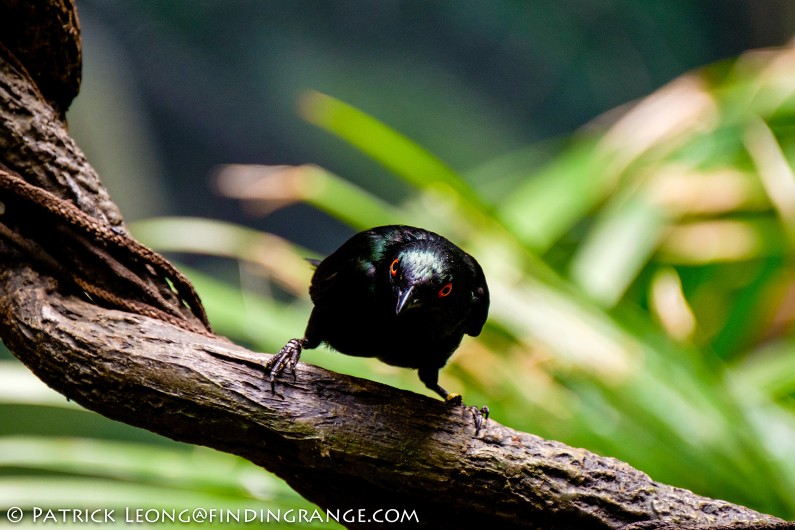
column 172, row 89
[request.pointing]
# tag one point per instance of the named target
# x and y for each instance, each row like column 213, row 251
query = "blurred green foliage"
column 642, row 288
column 640, row 273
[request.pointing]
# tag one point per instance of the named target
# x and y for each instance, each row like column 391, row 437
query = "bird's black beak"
column 404, row 300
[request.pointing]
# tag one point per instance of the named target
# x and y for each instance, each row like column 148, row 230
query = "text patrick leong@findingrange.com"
column 131, row 515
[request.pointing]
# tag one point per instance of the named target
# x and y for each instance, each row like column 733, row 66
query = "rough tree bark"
column 341, row 442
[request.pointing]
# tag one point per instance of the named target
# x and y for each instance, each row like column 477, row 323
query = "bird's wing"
column 353, row 264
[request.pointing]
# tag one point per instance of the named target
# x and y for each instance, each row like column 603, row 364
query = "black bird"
column 402, row 294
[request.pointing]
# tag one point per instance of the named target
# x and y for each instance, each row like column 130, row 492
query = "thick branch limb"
column 340, row 441
column 61, row 202
column 46, row 38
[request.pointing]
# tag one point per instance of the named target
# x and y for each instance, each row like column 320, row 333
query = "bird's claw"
column 286, row 358
column 480, row 416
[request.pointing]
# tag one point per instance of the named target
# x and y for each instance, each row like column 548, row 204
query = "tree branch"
column 340, row 441
column 45, row 36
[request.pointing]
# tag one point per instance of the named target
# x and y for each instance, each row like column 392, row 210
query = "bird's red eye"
column 394, row 267
column 447, row 289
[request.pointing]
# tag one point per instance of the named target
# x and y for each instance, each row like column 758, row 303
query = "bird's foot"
column 453, row 399
column 480, row 416
column 286, row 358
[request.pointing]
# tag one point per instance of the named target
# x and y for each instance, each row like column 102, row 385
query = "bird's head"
column 421, row 276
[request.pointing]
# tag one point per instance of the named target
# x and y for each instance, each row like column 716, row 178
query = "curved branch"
column 340, row 441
